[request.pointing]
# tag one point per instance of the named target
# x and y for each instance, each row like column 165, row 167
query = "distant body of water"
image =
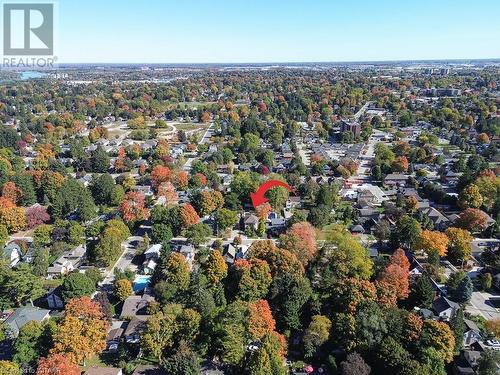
column 32, row 75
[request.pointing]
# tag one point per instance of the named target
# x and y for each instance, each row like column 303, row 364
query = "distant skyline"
column 217, row 31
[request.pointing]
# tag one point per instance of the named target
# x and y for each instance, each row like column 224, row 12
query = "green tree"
column 102, row 188
column 488, row 363
column 422, row 292
column 198, row 233
column 464, row 290
column 76, row 285
column 316, row 334
column 4, row 235
column 406, row 233
column 457, row 324
column 288, row 295
column 226, row 218
column 183, row 361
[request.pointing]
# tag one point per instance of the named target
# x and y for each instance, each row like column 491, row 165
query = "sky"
column 219, row 31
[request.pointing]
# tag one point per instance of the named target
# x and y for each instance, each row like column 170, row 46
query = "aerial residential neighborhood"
column 250, row 218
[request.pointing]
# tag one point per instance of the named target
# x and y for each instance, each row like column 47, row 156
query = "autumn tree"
column 400, row 164
column 188, row 215
column 122, row 289
column 473, row 220
column 215, row 267
column 260, row 320
column 133, row 207
column 433, row 241
column 12, row 192
column 11, row 216
column 167, row 190
column 251, row 278
column 470, row 196
column 393, row 282
column 56, row 364
column 300, row 239
column 9, row 368
column 82, row 332
column 208, row 202
column 460, row 244
column 159, row 175
column 280, row 261
column 439, row 336
column 36, row 215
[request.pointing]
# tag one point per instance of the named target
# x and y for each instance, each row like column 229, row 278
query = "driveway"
column 480, row 304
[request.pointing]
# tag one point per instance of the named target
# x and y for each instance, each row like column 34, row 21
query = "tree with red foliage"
column 133, row 207
column 159, row 175
column 300, row 239
column 57, row 364
column 188, row 216
column 262, row 106
column 181, row 179
column 260, row 320
column 473, row 219
column 36, row 215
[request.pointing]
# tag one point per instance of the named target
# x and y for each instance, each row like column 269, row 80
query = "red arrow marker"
column 258, row 197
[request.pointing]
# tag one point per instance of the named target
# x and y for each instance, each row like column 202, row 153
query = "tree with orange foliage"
column 400, row 164
column 413, row 328
column 120, row 161
column 472, row 219
column 208, row 202
column 162, row 149
column 133, row 207
column 263, row 210
column 393, row 282
column 11, row 192
column 57, row 364
column 142, row 170
column 188, row 216
column 11, row 216
column 159, row 175
column 44, row 154
column 433, row 241
column 300, row 239
column 82, row 332
column 167, row 190
column 260, row 320
column 181, row 179
column 483, row 138
column 205, row 117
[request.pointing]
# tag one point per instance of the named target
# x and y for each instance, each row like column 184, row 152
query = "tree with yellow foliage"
column 433, row 241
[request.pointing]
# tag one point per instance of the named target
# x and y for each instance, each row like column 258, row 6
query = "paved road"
column 129, row 248
column 362, row 110
column 204, row 139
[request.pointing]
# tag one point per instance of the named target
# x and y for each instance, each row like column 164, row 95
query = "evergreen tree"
column 464, row 290
column 458, row 326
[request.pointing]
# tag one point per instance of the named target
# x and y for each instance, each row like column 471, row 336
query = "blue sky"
column 196, row 31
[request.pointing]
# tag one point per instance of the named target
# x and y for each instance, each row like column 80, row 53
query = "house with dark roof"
column 444, row 308
column 472, row 333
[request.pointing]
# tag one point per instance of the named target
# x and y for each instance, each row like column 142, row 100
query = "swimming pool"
column 141, row 282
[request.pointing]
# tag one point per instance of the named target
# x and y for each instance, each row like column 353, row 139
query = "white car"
column 493, row 343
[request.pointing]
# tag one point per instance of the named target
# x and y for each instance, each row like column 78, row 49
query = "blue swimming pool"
column 141, row 282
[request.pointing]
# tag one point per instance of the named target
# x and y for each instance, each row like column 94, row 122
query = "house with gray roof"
column 23, row 315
